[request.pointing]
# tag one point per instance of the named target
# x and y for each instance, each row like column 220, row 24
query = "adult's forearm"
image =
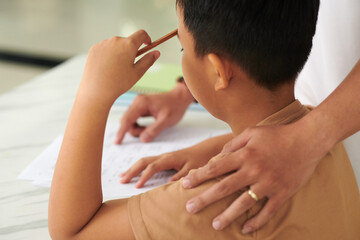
column 76, row 192
column 342, row 107
column 338, row 116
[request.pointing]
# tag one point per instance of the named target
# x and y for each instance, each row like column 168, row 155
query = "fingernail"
column 186, row 183
column 157, row 55
column 217, row 225
column 190, row 207
column 122, row 179
column 246, row 230
column 145, row 137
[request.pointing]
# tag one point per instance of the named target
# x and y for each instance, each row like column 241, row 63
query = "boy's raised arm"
column 76, row 203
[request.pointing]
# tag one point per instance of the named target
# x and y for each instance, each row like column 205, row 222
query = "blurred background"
column 37, row 35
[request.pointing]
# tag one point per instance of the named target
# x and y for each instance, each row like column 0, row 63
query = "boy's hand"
column 183, row 160
column 110, row 69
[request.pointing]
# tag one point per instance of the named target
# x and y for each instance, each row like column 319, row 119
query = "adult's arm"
column 339, row 114
column 276, row 161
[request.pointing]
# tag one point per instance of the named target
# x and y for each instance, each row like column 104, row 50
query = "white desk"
column 31, row 116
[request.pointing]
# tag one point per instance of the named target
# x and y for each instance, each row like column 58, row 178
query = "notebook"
column 161, row 77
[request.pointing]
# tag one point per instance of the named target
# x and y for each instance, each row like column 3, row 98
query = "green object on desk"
column 161, row 77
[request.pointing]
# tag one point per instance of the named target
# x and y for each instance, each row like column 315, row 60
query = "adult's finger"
column 238, row 142
column 153, row 130
column 220, row 190
column 181, row 173
column 266, row 213
column 217, row 166
column 237, row 208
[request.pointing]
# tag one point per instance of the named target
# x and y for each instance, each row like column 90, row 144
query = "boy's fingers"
column 136, row 169
column 157, row 166
column 153, row 130
column 146, row 62
column 140, row 37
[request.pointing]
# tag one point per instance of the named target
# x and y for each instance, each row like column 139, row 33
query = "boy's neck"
column 248, row 104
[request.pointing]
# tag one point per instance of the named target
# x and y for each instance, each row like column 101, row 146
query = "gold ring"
column 253, row 195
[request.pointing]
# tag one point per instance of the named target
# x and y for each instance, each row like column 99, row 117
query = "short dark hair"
column 270, row 39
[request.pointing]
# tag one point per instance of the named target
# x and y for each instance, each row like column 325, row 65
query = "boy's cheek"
column 184, row 69
column 187, row 74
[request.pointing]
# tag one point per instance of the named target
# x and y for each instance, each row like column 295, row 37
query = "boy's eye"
column 181, row 50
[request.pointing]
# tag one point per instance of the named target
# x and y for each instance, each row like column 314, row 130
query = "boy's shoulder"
column 330, row 200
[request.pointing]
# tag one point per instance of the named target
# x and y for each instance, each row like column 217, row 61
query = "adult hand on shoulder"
column 274, row 161
column 167, row 109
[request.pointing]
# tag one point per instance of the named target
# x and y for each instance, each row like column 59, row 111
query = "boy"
column 240, row 62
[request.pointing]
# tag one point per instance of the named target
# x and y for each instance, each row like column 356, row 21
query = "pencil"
column 157, row 42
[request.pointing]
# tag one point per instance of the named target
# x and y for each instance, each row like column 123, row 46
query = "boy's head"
column 269, row 40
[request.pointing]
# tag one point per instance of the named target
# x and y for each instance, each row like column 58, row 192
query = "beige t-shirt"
column 327, row 207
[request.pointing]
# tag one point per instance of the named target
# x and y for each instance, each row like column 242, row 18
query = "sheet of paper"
column 118, row 158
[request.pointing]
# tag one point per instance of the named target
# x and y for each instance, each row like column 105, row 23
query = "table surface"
column 31, row 116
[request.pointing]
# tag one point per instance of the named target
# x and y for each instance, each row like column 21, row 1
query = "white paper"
column 119, row 158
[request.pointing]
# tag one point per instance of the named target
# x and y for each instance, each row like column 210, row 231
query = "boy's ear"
column 223, row 71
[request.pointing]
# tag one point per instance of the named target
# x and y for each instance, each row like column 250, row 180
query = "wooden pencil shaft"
column 157, row 42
